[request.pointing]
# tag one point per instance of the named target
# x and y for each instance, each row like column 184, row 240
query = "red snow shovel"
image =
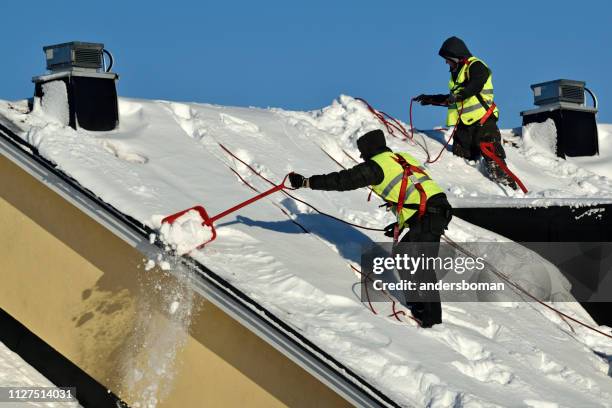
column 208, row 221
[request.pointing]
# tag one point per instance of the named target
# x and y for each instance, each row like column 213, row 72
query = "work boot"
column 498, row 175
column 460, row 151
column 428, row 313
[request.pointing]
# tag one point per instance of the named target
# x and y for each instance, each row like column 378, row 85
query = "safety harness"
column 490, row 110
column 488, row 148
column 409, row 171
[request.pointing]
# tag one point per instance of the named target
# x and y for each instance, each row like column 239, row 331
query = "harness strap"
column 408, row 173
column 488, row 149
column 490, row 109
column 400, row 201
column 487, row 114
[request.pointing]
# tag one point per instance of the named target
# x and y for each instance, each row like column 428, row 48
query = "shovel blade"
column 205, row 221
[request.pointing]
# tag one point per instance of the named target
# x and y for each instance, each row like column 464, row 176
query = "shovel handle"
column 274, row 189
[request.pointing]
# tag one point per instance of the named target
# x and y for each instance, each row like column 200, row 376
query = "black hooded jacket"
column 454, row 48
column 363, row 174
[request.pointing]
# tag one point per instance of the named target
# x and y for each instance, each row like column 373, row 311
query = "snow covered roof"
column 166, row 156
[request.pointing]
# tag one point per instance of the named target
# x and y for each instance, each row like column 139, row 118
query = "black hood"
column 371, row 144
column 455, row 48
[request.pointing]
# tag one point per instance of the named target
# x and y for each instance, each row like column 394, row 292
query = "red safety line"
column 401, row 312
column 446, row 143
column 305, row 230
column 371, row 306
column 341, row 165
column 488, row 150
column 279, row 207
column 443, row 236
column 294, row 197
column 525, row 292
column 365, row 285
column 563, row 315
column 491, row 154
column 395, row 313
column 395, row 125
column 391, row 127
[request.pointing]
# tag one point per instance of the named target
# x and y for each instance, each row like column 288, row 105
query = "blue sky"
column 303, row 54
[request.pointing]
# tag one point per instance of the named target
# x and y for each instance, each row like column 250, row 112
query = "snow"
column 174, row 307
column 599, row 164
column 165, row 157
column 15, row 372
column 185, row 233
column 149, row 355
column 540, row 139
column 54, row 102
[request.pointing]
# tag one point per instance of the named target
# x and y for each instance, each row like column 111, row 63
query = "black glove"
column 440, row 99
column 422, row 98
column 297, row 180
column 390, row 228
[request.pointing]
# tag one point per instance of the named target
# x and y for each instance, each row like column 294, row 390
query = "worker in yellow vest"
column 418, row 202
column 471, row 108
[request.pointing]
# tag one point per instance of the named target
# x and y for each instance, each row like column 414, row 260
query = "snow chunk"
column 237, row 124
column 54, row 101
column 540, row 138
column 186, row 233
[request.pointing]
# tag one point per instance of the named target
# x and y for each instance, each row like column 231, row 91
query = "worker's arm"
column 439, row 99
column 478, row 77
column 364, row 174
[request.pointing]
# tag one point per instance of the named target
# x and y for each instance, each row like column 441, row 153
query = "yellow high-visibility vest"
column 473, row 108
column 389, row 188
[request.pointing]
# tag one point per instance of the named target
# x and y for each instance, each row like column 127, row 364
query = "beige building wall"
column 86, row 293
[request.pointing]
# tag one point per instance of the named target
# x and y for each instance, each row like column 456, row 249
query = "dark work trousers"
column 427, row 231
column 467, row 139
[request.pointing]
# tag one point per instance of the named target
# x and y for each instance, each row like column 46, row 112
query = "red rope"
column 396, row 313
column 382, row 117
column 498, row 273
column 280, row 208
column 341, row 165
column 394, row 302
column 366, row 277
column 563, row 315
column 365, row 285
column 393, row 125
column 294, row 197
column 308, row 232
column 488, row 150
column 445, row 146
column 525, row 292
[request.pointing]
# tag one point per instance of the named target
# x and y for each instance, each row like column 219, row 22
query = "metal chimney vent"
column 75, row 54
column 561, row 90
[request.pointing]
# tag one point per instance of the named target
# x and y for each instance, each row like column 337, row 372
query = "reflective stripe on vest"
column 389, row 188
column 473, row 110
column 414, row 178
